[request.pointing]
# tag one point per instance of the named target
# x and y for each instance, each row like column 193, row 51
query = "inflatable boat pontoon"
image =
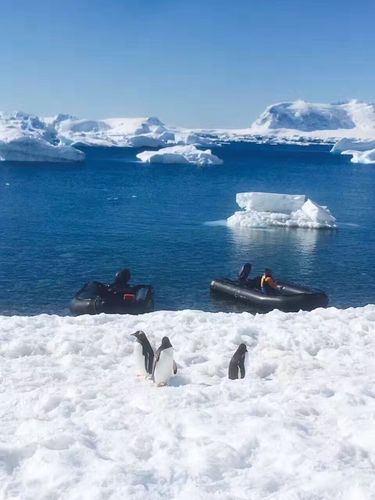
column 95, row 298
column 290, row 298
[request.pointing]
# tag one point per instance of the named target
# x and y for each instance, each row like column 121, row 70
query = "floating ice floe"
column 76, row 422
column 362, row 151
column 25, row 137
column 274, row 209
column 180, row 155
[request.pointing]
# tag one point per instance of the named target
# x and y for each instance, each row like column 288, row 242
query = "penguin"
column 164, row 364
column 143, row 353
column 237, row 363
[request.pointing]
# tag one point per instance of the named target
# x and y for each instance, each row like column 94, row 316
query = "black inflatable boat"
column 290, row 298
column 96, row 298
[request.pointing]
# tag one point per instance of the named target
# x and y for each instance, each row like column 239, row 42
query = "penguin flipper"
column 174, row 367
column 156, row 359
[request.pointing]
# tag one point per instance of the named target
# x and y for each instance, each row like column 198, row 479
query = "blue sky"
column 191, row 63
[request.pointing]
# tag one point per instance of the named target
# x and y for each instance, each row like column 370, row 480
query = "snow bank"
column 274, row 209
column 76, row 422
column 180, row 155
column 25, row 137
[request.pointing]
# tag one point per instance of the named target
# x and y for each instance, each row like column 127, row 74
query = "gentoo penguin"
column 164, row 364
column 143, row 353
column 237, row 363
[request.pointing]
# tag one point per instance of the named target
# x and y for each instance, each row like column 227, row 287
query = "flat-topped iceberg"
column 25, row 137
column 180, row 155
column 280, row 210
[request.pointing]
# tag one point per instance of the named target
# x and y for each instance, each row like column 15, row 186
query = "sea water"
column 63, row 225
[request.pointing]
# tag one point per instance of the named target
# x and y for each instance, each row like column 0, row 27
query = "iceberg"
column 77, row 423
column 25, row 137
column 180, row 155
column 349, row 119
column 120, row 132
column 280, row 210
column 364, row 157
column 361, row 150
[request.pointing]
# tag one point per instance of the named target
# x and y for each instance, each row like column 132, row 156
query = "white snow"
column 270, row 202
column 77, row 423
column 180, row 155
column 25, row 137
column 274, row 209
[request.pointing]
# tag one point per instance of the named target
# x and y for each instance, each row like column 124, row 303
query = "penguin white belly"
column 164, row 367
column 139, row 359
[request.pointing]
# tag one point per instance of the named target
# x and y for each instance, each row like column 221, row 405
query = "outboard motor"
column 245, row 271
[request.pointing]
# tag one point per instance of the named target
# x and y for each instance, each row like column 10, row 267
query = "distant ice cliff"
column 350, row 126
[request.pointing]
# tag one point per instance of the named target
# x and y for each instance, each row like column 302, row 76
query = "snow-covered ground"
column 280, row 210
column 180, row 155
column 77, row 424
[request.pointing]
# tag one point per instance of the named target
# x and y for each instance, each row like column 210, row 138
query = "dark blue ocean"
column 63, row 225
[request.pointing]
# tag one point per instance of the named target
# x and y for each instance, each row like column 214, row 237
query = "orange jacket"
column 268, row 280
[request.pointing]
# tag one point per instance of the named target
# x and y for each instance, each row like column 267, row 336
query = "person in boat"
column 244, row 274
column 120, row 288
column 267, row 284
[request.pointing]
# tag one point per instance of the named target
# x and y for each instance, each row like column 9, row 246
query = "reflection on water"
column 305, row 239
column 289, row 249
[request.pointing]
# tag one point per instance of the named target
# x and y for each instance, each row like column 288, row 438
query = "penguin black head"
column 242, row 349
column 165, row 343
column 139, row 335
